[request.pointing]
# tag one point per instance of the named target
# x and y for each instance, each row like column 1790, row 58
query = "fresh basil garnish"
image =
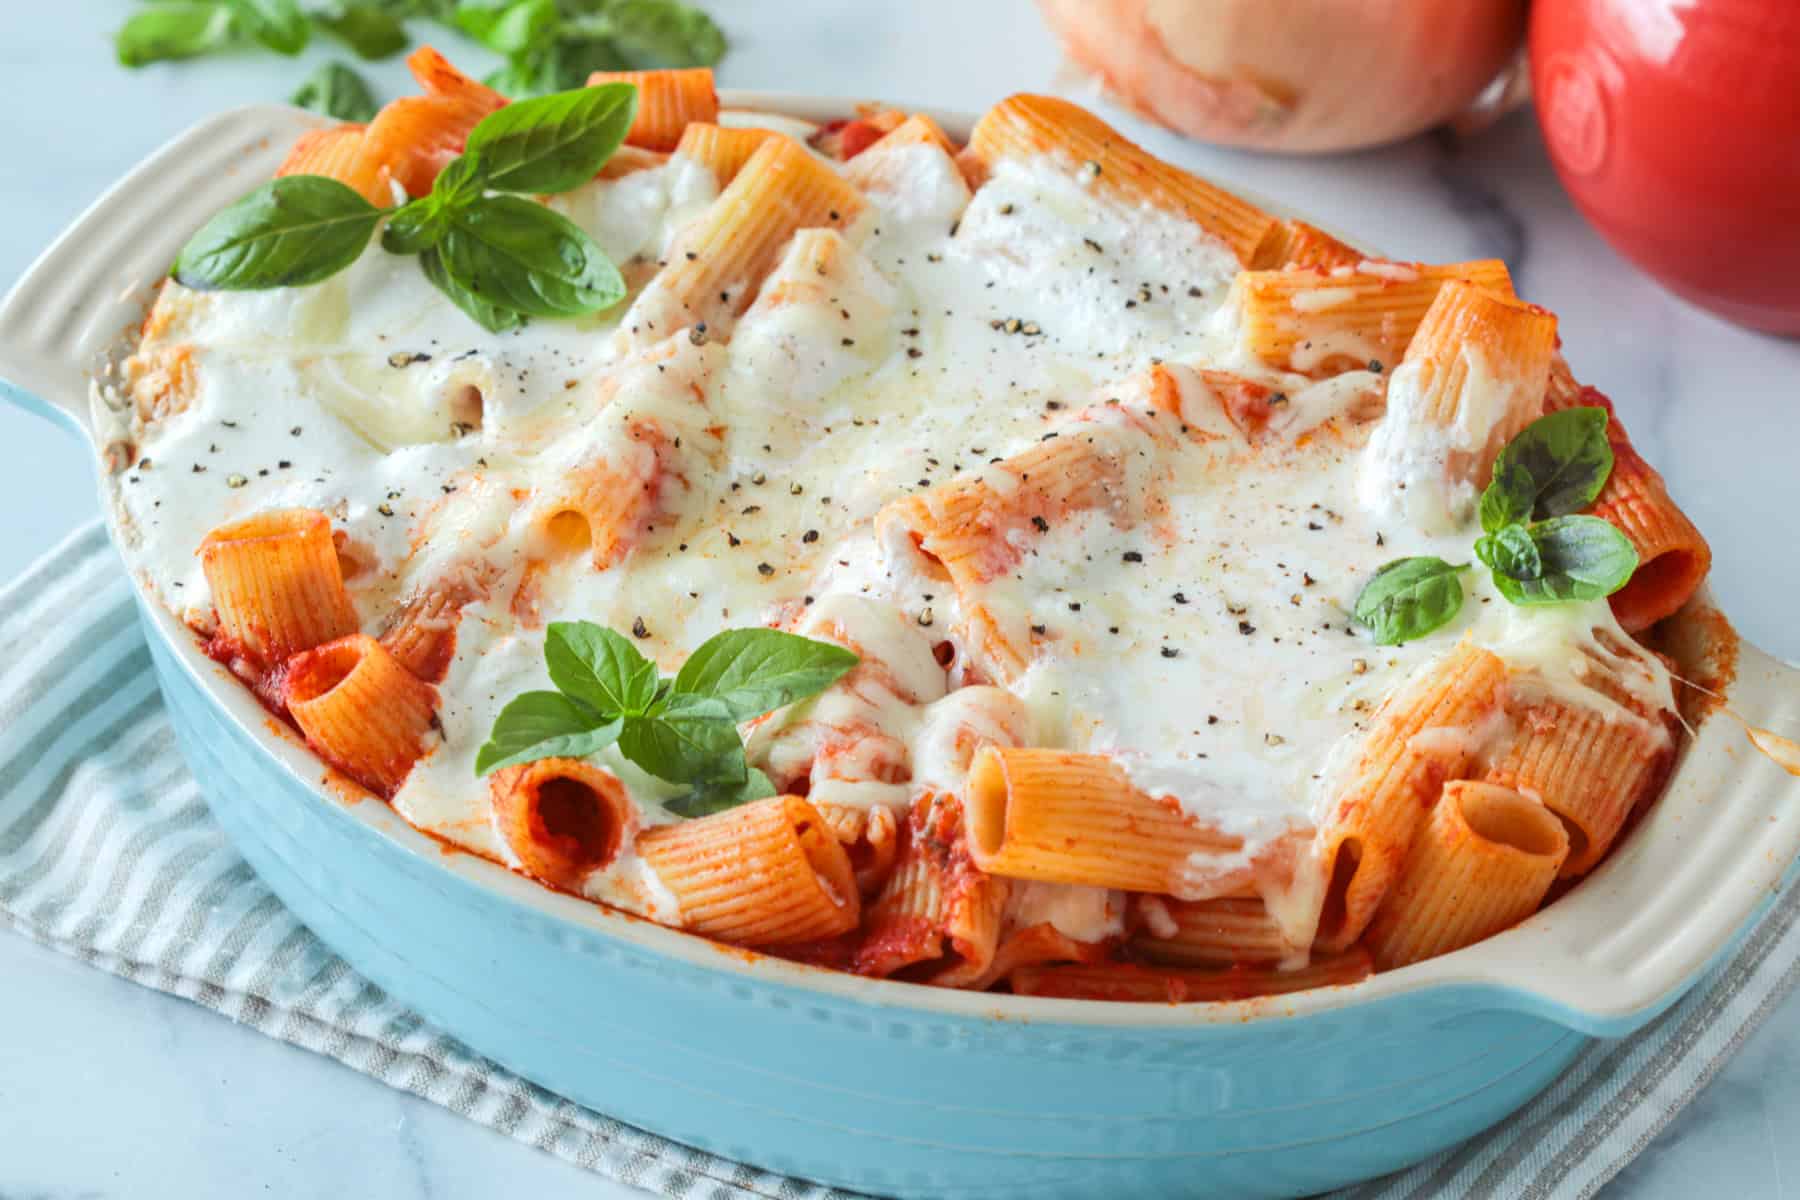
column 1510, row 552
column 554, row 143
column 336, row 91
column 291, row 231
column 277, row 24
column 683, row 730
column 161, row 32
column 499, row 258
column 1582, row 558
column 1410, row 597
column 1538, row 550
column 1555, row 466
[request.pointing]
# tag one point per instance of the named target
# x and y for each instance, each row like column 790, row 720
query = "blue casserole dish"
column 887, row 1087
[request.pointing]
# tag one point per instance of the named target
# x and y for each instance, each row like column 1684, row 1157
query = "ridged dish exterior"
column 881, row 1086
column 863, row 1095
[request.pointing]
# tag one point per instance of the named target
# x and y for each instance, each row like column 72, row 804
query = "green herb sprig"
column 549, row 45
column 499, row 257
column 684, row 729
column 1536, row 546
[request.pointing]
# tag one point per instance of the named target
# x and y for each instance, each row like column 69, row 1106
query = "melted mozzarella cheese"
column 1208, row 648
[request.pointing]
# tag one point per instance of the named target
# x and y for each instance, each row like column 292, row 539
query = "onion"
column 1296, row 75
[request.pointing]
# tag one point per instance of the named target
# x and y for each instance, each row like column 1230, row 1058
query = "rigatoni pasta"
column 1082, row 470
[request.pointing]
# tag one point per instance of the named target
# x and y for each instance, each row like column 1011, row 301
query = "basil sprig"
column 683, row 730
column 498, row 257
column 1535, row 543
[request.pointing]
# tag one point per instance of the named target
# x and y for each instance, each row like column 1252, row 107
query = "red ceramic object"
column 1675, row 125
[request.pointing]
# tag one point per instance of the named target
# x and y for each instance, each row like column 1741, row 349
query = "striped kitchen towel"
column 107, row 853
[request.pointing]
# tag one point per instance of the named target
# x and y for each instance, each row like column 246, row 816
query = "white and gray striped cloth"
column 108, row 853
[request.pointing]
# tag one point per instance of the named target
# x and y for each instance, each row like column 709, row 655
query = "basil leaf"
column 754, row 671
column 599, row 667
column 545, row 725
column 1565, row 458
column 1511, row 552
column 690, row 739
column 518, row 255
column 509, row 26
column 291, row 231
column 1410, row 597
column 277, row 24
column 662, row 33
column 556, row 142
column 171, row 31
column 370, row 31
column 490, row 317
column 706, row 799
column 336, row 91
column 1584, row 558
column 1508, row 498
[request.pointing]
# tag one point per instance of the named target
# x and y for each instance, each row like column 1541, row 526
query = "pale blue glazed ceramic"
column 887, row 1087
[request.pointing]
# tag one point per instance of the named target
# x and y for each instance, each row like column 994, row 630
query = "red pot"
column 1675, row 125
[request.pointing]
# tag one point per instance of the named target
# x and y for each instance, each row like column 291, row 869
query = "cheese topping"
column 1202, row 637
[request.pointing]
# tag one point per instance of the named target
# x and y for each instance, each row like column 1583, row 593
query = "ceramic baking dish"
column 883, row 1086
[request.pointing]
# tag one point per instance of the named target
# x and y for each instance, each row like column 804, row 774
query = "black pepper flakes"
column 1041, row 525
column 1133, row 556
column 1246, row 628
column 1040, row 630
column 764, row 569
column 1170, row 652
column 638, row 628
column 1181, row 597
column 810, row 536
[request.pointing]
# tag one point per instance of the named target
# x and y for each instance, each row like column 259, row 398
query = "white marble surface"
column 110, row 1090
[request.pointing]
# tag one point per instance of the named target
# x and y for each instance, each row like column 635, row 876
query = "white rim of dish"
column 1615, row 948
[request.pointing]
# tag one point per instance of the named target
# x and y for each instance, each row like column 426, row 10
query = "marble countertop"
column 107, row 1089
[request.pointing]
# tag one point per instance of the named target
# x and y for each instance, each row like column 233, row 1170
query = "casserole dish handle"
column 85, row 297
column 1682, row 889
